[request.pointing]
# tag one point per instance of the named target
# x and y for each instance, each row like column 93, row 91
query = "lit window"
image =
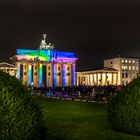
column 133, row 61
column 122, row 67
column 137, row 68
column 130, row 68
column 133, row 67
column 125, row 61
column 129, row 61
column 122, row 61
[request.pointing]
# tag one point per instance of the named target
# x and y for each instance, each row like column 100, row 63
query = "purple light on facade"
column 73, row 74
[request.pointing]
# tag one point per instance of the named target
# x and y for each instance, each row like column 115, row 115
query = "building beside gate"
column 8, row 68
column 46, row 67
column 106, row 76
column 117, row 71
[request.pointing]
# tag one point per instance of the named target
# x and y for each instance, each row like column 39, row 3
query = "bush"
column 124, row 109
column 20, row 118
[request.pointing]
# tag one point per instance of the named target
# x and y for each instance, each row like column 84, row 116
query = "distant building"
column 127, row 67
column 8, row 68
column 106, row 76
column 117, row 71
column 46, row 67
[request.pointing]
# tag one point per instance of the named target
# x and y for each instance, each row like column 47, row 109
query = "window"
column 126, row 75
column 130, row 68
column 35, row 67
column 126, row 61
column 137, row 68
column 133, row 67
column 129, row 61
column 68, row 74
column 122, row 67
column 133, row 61
column 35, row 73
column 58, row 68
column 24, row 73
column 68, row 68
column 122, row 61
column 49, row 73
column 59, row 74
column 122, row 75
column 111, row 62
column 48, row 67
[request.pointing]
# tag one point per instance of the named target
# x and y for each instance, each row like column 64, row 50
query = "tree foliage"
column 20, row 117
column 124, row 109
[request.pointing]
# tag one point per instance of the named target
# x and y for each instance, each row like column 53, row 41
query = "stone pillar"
column 58, row 74
column 97, row 79
column 101, row 78
column 112, row 79
column 73, row 75
column 117, row 78
column 49, row 75
column 54, row 74
column 29, row 74
column 35, row 74
column 25, row 73
column 106, row 77
column 68, row 75
column 40, row 75
column 18, row 70
column 63, row 75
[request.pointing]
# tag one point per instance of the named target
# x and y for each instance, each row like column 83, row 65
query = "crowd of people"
column 87, row 93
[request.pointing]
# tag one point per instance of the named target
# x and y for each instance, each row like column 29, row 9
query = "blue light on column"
column 63, row 75
column 29, row 74
column 73, row 74
column 18, row 72
column 40, row 75
column 54, row 75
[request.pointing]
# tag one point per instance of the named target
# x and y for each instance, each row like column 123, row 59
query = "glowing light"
column 33, row 55
column 40, row 75
column 45, row 55
column 64, row 75
column 73, row 74
column 54, row 75
column 18, row 71
column 29, row 74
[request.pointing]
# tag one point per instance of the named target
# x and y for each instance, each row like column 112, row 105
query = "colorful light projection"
column 40, row 75
column 18, row 70
column 46, row 55
column 33, row 55
column 29, row 75
column 73, row 74
column 64, row 75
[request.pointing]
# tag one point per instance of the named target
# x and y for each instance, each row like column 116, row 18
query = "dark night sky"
column 93, row 29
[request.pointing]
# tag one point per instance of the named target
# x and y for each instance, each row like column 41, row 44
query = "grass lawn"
column 69, row 120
